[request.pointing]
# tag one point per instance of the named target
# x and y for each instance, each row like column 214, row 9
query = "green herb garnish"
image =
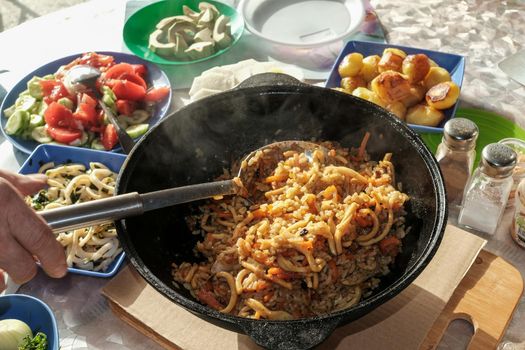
column 38, row 342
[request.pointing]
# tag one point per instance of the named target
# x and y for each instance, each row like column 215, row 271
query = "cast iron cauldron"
column 197, row 142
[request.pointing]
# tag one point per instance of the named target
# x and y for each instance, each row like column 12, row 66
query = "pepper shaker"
column 455, row 155
column 488, row 189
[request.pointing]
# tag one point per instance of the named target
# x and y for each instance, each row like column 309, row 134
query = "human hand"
column 24, row 235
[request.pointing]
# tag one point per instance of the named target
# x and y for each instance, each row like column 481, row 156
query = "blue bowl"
column 34, row 312
column 454, row 64
column 67, row 154
column 156, row 77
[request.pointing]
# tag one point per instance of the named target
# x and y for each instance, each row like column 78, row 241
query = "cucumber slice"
column 137, row 130
column 42, row 108
column 9, row 111
column 106, row 90
column 34, row 87
column 66, row 102
column 81, row 141
column 39, row 134
column 26, row 103
column 17, row 122
column 97, row 144
column 138, row 116
column 36, row 120
column 123, row 121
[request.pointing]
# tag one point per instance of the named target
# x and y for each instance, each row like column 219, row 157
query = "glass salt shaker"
column 488, row 189
column 455, row 155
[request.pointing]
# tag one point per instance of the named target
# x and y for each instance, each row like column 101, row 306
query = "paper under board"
column 401, row 323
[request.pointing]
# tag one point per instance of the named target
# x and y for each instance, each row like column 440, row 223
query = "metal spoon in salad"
column 83, row 78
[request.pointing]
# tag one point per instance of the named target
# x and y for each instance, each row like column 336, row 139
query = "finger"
column 2, row 280
column 25, row 184
column 14, row 259
column 31, row 231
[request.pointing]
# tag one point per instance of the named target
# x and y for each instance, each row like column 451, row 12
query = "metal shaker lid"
column 498, row 160
column 460, row 134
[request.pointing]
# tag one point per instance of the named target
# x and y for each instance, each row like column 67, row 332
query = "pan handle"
column 290, row 335
column 269, row 79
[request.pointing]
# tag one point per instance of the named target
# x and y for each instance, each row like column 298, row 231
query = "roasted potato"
column 351, row 65
column 417, row 94
column 416, row 67
column 398, row 109
column 368, row 95
column 351, row 83
column 424, row 115
column 443, row 95
column 370, row 68
column 392, row 59
column 391, row 86
column 435, row 76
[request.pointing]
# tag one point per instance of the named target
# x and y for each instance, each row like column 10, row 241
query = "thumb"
column 25, row 184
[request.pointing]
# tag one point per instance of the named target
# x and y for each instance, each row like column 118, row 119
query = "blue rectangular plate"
column 454, row 64
column 65, row 154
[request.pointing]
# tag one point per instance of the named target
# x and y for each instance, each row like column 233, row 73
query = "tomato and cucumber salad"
column 47, row 112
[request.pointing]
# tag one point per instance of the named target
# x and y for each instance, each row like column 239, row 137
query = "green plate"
column 142, row 23
column 492, row 128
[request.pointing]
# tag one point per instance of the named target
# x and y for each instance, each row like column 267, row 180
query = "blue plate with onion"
column 24, row 316
column 24, row 140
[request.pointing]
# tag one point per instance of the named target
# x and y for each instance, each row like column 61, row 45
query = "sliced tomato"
column 63, row 135
column 109, row 137
column 157, row 94
column 126, row 107
column 58, row 91
column 87, row 99
column 57, row 115
column 93, row 59
column 127, row 90
column 47, row 86
column 116, row 71
column 140, row 69
column 86, row 115
column 134, row 78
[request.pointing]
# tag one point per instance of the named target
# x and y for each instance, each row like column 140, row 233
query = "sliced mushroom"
column 156, row 45
column 181, row 28
column 221, row 38
column 200, row 50
column 203, row 6
column 206, row 20
column 190, row 13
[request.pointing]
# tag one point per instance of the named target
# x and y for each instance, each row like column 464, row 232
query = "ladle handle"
column 93, row 213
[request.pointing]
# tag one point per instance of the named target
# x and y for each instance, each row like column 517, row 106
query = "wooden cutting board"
column 487, row 297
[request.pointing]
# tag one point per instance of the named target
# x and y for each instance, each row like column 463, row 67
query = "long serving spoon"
column 83, row 78
column 132, row 204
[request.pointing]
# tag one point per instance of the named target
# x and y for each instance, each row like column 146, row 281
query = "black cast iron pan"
column 194, row 145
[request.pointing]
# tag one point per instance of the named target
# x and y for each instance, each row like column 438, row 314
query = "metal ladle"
column 131, row 204
column 83, row 78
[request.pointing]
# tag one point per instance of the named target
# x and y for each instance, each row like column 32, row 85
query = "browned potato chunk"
column 351, row 65
column 370, row 68
column 417, row 94
column 368, row 95
column 416, row 67
column 424, row 115
column 435, row 76
column 398, row 109
column 443, row 95
column 391, row 86
column 351, row 83
column 392, row 59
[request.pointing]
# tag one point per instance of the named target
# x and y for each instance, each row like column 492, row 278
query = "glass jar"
column 455, row 155
column 487, row 191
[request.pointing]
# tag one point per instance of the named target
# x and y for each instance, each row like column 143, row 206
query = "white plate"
column 302, row 23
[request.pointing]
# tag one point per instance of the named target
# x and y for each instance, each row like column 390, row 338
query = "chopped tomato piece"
column 86, row 115
column 116, row 71
column 157, row 94
column 109, row 137
column 390, row 246
column 57, row 115
column 63, row 135
column 47, row 86
column 58, row 90
column 140, row 69
column 127, row 90
column 93, row 59
column 85, row 98
column 127, row 107
column 134, row 78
